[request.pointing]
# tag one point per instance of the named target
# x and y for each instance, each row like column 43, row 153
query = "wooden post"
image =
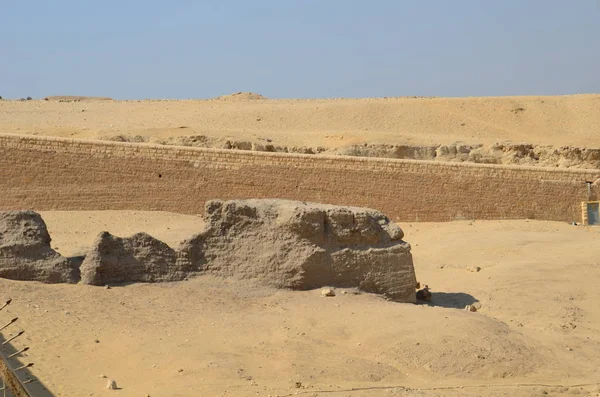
column 11, row 381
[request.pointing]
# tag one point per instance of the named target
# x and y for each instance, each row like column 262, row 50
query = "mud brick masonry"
column 65, row 174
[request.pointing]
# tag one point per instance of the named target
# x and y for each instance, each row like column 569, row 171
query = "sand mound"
column 474, row 345
column 140, row 258
column 75, row 98
column 241, row 97
column 290, row 244
column 25, row 252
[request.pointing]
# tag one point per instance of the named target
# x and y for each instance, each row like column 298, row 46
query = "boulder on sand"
column 140, row 257
column 25, row 252
column 298, row 245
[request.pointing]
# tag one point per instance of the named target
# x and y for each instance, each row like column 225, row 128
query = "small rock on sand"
column 473, row 269
column 328, row 292
column 470, row 308
column 424, row 294
column 111, row 384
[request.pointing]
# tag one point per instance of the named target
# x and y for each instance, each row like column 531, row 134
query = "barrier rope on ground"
column 10, row 368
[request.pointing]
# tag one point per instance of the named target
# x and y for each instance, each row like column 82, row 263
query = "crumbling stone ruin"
column 140, row 258
column 25, row 252
column 285, row 244
column 297, row 245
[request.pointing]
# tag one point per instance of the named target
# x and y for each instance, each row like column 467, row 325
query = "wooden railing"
column 10, row 367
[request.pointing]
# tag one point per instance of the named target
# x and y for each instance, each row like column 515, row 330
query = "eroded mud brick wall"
column 62, row 174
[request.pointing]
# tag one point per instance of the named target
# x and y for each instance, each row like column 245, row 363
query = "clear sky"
column 135, row 49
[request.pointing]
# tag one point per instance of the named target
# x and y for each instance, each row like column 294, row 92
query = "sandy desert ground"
column 537, row 333
column 327, row 123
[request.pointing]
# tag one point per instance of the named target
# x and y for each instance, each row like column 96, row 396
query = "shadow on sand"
column 452, row 300
column 34, row 387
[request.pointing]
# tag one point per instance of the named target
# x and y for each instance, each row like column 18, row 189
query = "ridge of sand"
column 75, row 98
column 241, row 97
column 328, row 123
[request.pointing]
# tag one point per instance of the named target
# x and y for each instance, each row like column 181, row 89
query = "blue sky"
column 135, row 49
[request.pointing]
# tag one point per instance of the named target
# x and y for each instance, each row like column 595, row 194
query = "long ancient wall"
column 63, row 174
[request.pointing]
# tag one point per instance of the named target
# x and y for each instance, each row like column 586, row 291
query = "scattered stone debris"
column 328, row 292
column 111, row 384
column 298, row 385
column 473, row 269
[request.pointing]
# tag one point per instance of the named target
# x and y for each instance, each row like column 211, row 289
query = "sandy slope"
column 550, row 120
column 540, row 321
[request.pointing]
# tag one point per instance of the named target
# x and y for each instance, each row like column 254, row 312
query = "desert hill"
column 554, row 120
column 555, row 131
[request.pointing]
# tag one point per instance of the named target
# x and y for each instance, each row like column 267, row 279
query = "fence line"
column 8, row 374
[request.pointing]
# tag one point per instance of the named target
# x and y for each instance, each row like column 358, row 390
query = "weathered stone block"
column 25, row 252
column 140, row 258
column 298, row 245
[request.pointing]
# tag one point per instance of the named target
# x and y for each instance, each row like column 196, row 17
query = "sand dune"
column 331, row 123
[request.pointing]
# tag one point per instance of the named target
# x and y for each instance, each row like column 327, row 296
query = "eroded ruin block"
column 140, row 258
column 298, row 245
column 25, row 252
